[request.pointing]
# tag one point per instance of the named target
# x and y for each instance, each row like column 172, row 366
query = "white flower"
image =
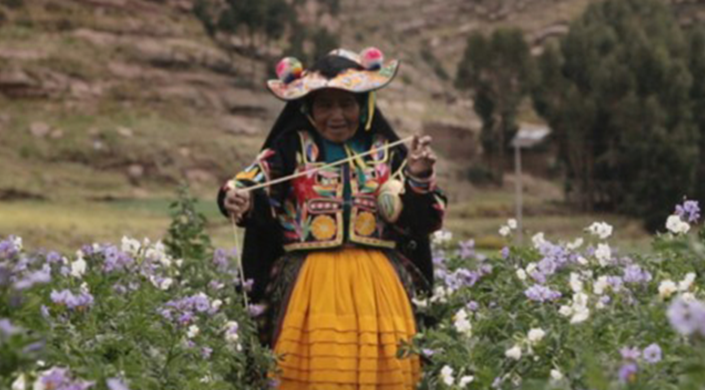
column 530, row 268
column 521, row 274
column 442, row 237
column 504, row 231
column 600, row 285
column 447, row 375
column 193, row 331
column 179, row 262
column 512, row 223
column 603, row 253
column 582, row 260
column 420, row 302
column 565, row 311
column 166, row 283
column 17, row 243
column 78, row 267
column 600, row 229
column 130, row 245
column 667, row 288
column 556, row 375
column 575, row 283
column 538, row 239
column 676, row 225
column 580, row 299
column 688, row 297
column 535, row 335
column 439, row 294
column 513, row 352
column 231, row 334
column 20, row 383
column 216, row 304
column 580, row 314
column 206, row 379
column 685, row 284
column 575, row 244
column 461, row 323
column 464, row 381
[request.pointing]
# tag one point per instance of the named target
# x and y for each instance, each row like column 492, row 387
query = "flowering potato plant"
column 568, row 315
column 128, row 316
column 171, row 314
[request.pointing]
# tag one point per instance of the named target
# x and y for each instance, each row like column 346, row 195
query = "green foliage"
column 696, row 50
column 482, row 310
column 136, row 312
column 265, row 21
column 498, row 70
column 323, row 43
column 186, row 237
column 617, row 94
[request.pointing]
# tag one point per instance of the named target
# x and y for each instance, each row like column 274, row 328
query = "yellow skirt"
column 346, row 316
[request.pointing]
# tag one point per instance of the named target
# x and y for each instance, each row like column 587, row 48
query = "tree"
column 498, row 71
column 617, row 95
column 696, row 43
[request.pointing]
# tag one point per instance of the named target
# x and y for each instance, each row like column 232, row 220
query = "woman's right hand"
column 237, row 202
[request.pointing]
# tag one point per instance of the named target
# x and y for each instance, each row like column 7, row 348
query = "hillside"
column 120, row 100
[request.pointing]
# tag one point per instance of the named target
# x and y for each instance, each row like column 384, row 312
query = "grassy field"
column 66, row 225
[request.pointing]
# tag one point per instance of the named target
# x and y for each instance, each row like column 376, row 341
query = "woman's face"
column 336, row 114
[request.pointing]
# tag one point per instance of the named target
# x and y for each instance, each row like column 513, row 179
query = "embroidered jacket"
column 312, row 210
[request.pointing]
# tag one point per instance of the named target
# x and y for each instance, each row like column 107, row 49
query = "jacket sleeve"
column 270, row 164
column 424, row 203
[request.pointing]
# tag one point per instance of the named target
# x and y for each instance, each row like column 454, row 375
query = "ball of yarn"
column 389, row 204
column 371, row 58
column 289, row 69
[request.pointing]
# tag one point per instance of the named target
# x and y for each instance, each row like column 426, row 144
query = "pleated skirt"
column 346, row 316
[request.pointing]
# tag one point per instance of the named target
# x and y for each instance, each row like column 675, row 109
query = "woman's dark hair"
column 331, row 65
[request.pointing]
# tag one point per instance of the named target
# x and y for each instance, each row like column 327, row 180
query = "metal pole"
column 519, row 190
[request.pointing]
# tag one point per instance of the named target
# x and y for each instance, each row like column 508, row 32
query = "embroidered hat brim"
column 352, row 80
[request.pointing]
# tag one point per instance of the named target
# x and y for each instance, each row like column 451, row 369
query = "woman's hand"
column 421, row 159
column 237, row 202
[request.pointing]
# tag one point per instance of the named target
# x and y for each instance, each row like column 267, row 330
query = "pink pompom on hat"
column 294, row 82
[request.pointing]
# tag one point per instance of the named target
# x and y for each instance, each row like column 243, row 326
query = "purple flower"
column 630, row 353
column 473, row 306
column 615, row 282
column 687, row 317
column 634, row 274
column 53, row 258
column 38, row 277
column 690, row 210
column 255, row 310
column 652, row 353
column 627, row 373
column 6, row 328
column 58, row 378
column 116, row 384
column 547, row 266
column 206, row 352
column 541, row 293
column 74, row 302
column 505, row 253
column 467, row 249
column 220, row 259
column 428, row 352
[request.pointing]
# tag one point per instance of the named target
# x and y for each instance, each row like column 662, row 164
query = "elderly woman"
column 337, row 254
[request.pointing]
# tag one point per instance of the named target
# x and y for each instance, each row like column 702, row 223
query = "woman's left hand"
column 421, row 158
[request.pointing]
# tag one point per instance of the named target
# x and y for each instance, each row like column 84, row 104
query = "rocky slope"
column 124, row 98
